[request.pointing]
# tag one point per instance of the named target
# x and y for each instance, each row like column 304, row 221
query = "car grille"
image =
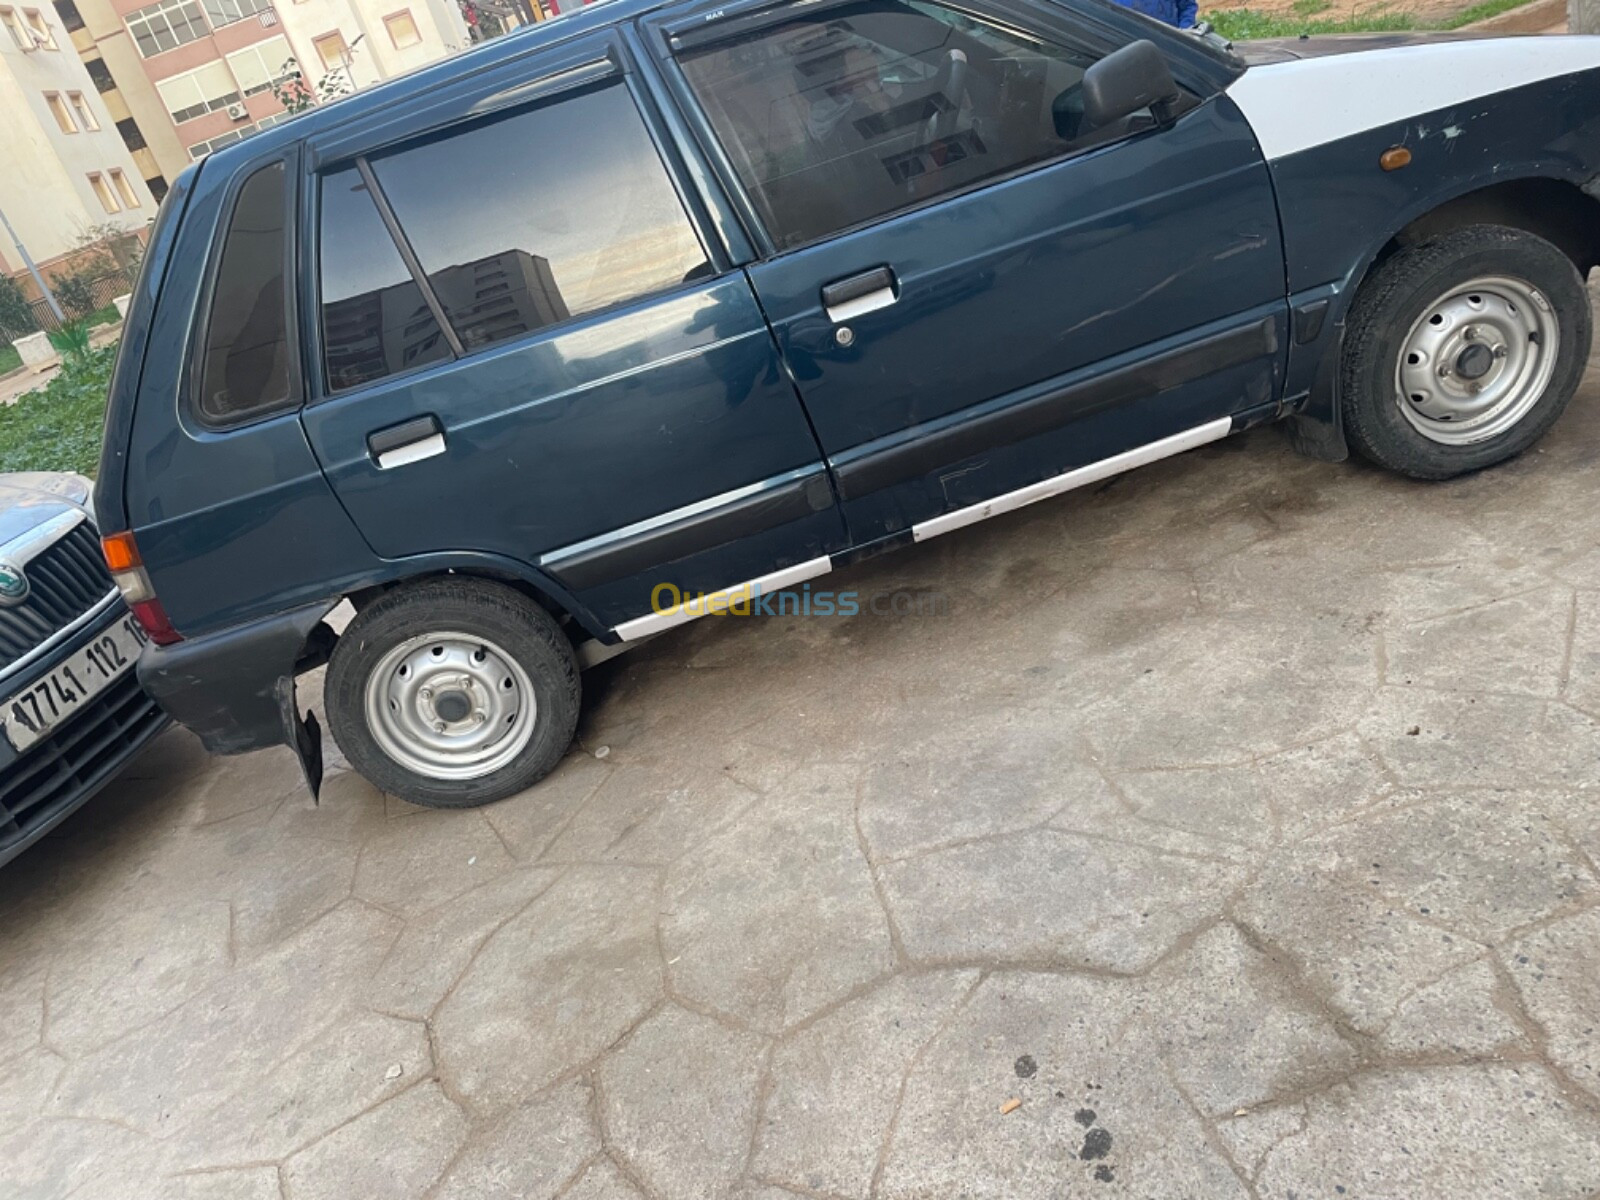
column 66, row 580
column 76, row 758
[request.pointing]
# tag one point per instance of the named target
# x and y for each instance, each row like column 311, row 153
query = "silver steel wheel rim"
column 1477, row 359
column 450, row 706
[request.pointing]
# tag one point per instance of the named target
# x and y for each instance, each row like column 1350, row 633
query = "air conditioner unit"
column 237, row 112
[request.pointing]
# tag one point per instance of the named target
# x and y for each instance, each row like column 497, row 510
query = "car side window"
column 375, row 321
column 526, row 219
column 856, row 112
column 245, row 366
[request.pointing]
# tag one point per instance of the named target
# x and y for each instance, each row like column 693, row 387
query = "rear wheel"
column 1463, row 351
column 453, row 693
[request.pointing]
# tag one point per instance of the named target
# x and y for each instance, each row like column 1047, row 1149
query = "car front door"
column 976, row 292
column 529, row 348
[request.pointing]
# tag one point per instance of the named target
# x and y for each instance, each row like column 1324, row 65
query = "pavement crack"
column 1208, row 1131
column 896, row 941
column 886, row 1147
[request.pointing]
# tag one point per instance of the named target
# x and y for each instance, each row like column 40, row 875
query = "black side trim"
column 1308, row 321
column 1052, row 410
column 1259, row 415
column 609, row 561
column 883, row 545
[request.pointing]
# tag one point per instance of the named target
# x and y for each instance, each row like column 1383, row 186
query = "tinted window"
column 547, row 213
column 860, row 111
column 374, row 319
column 247, row 347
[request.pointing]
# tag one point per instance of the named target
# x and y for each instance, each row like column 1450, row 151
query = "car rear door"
column 528, row 344
column 974, row 291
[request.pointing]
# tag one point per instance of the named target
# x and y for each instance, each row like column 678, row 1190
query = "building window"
column 132, row 135
column 258, row 67
column 402, row 29
column 158, row 187
column 19, row 31
column 104, row 194
column 59, row 110
column 84, row 113
column 199, row 92
column 226, row 12
column 163, row 26
column 100, row 74
column 40, row 28
column 125, row 192
column 68, row 12
column 331, row 50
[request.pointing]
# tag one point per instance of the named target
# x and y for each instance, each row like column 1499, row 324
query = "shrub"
column 75, row 293
column 58, row 427
column 16, row 317
column 72, row 339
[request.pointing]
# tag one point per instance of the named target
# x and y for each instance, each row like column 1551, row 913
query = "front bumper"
column 235, row 688
column 41, row 786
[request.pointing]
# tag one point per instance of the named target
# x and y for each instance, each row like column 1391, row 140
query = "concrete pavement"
column 1228, row 830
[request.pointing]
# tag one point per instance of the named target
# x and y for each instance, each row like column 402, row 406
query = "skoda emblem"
column 13, row 583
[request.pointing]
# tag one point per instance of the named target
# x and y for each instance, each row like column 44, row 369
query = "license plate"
column 30, row 715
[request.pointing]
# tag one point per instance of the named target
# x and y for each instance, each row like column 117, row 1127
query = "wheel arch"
column 569, row 613
column 1562, row 211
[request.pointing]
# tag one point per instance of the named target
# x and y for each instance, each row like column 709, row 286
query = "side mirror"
column 1125, row 82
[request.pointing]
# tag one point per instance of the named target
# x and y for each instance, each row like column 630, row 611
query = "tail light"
column 127, row 569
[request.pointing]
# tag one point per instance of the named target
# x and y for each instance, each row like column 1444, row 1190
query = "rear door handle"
column 409, row 442
column 845, row 299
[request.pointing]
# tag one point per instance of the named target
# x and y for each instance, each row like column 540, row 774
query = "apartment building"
column 66, row 167
column 190, row 76
column 360, row 42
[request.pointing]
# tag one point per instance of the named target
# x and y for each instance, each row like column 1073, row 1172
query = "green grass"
column 1243, row 24
column 10, row 360
column 57, row 427
column 1482, row 12
column 104, row 316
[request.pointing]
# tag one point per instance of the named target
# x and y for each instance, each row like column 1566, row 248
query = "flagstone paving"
column 1231, row 829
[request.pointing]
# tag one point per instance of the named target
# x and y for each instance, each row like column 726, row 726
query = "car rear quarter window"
column 860, row 111
column 551, row 212
column 375, row 320
column 246, row 361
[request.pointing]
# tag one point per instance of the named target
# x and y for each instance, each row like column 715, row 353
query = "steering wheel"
column 951, row 83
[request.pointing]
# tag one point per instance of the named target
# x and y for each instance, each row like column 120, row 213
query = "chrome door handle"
column 845, row 299
column 409, row 442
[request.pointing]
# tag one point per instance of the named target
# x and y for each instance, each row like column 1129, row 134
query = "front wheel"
column 1463, row 351
column 453, row 693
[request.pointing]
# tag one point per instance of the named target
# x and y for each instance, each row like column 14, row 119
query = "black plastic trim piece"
column 1308, row 321
column 1030, row 418
column 719, row 526
column 872, row 549
column 409, row 256
column 1259, row 415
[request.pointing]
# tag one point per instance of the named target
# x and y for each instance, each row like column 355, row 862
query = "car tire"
column 1448, row 363
column 453, row 693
